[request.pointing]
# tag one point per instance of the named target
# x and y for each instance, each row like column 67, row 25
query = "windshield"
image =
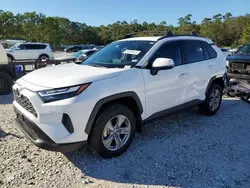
column 119, row 54
column 77, row 54
column 244, row 50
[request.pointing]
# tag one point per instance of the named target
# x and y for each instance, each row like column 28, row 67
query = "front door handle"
column 210, row 66
column 183, row 75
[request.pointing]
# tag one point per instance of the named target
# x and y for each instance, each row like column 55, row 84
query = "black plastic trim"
column 163, row 113
column 109, row 99
column 10, row 56
column 66, row 121
column 210, row 83
column 40, row 139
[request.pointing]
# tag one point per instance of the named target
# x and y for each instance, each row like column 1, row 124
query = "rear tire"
column 42, row 57
column 106, row 137
column 6, row 83
column 213, row 100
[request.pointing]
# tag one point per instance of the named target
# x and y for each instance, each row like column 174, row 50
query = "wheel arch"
column 217, row 80
column 43, row 54
column 129, row 99
column 10, row 55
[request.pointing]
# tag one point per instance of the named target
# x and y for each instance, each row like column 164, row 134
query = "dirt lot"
column 182, row 150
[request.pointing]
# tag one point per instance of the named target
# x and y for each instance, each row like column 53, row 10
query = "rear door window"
column 35, row 46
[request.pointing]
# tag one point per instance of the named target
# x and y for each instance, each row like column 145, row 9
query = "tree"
column 224, row 30
column 246, row 35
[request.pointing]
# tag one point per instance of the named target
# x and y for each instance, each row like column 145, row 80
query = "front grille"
column 25, row 103
column 238, row 66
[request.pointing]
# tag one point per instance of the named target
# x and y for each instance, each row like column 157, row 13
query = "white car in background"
column 30, row 51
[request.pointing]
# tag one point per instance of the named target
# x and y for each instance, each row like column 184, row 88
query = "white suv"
column 29, row 51
column 104, row 100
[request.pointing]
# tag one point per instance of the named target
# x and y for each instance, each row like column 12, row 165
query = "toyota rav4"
column 104, row 100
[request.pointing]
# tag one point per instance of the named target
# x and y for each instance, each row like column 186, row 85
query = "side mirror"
column 17, row 48
column 161, row 64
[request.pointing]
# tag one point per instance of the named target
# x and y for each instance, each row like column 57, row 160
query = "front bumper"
column 40, row 139
column 49, row 117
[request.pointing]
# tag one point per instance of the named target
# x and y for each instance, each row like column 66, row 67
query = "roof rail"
column 165, row 33
column 158, row 33
column 170, row 34
column 130, row 35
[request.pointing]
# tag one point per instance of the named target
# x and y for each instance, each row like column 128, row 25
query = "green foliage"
column 224, row 30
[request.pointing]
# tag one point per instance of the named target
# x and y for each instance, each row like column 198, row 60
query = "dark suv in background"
column 238, row 65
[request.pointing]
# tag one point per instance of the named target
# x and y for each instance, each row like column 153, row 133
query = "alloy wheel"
column 214, row 100
column 116, row 132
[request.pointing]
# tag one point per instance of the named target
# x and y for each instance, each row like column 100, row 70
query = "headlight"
column 61, row 93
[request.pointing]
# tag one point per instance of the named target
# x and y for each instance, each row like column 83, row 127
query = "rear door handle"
column 183, row 75
column 210, row 66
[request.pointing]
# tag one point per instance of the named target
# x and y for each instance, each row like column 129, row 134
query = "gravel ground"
column 182, row 150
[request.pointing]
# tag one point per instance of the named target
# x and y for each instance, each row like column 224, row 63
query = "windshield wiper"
column 95, row 65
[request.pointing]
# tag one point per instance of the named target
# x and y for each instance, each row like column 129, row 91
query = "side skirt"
column 172, row 110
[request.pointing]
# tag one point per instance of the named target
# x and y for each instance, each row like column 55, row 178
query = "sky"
column 104, row 12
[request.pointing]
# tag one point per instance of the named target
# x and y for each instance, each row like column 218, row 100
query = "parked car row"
column 44, row 51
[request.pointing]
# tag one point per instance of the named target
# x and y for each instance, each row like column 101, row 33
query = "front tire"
column 113, row 131
column 213, row 100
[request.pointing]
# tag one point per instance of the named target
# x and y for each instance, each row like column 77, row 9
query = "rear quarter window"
column 211, row 52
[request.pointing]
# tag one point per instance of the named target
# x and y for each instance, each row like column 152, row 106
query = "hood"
column 69, row 75
column 239, row 58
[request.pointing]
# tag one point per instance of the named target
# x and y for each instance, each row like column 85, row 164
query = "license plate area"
column 24, row 125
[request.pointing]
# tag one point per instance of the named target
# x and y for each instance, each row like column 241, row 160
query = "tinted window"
column 89, row 53
column 169, row 50
column 30, row 47
column 223, row 50
column 206, row 55
column 193, row 51
column 212, row 53
column 22, row 47
column 41, row 46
